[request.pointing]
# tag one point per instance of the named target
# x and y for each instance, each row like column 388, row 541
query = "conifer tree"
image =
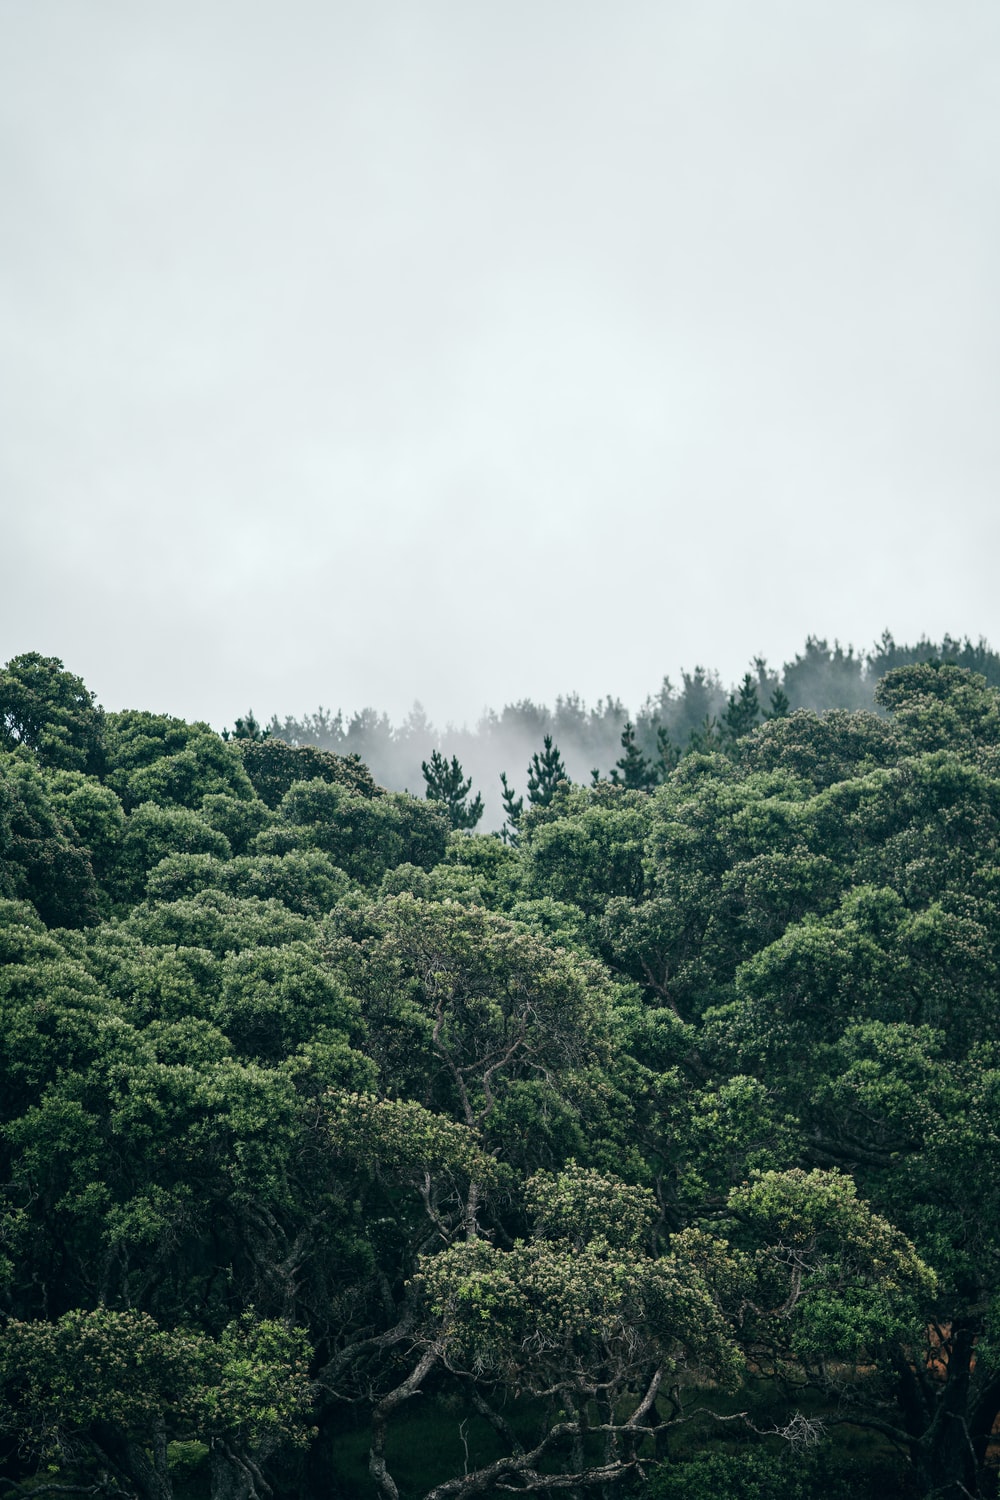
column 780, row 706
column 742, row 711
column 669, row 753
column 632, row 769
column 545, row 773
column 446, row 783
column 706, row 737
column 513, row 808
column 248, row 729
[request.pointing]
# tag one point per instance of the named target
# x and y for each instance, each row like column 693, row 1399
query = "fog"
column 692, row 713
column 364, row 354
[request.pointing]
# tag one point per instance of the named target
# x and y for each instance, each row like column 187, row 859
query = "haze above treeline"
column 822, row 676
column 471, row 353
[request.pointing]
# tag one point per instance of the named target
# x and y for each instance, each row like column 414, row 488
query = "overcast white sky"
column 357, row 353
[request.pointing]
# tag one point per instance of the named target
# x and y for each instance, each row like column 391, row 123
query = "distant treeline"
column 820, row 677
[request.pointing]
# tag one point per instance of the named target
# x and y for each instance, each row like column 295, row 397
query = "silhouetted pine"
column 545, row 773
column 705, row 738
column 248, row 729
column 742, row 711
column 446, row 783
column 632, row 769
column 780, row 707
column 669, row 753
column 513, row 808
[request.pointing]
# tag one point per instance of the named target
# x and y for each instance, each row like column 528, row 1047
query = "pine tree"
column 669, row 753
column 706, row 737
column 248, row 729
column 545, row 773
column 513, row 808
column 446, row 783
column 742, row 711
column 632, row 769
column 767, row 678
column 780, row 706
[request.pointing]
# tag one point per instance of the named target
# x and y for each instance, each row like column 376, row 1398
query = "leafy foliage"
column 672, row 1117
column 50, row 712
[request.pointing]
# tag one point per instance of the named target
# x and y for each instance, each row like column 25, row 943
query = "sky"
column 362, row 353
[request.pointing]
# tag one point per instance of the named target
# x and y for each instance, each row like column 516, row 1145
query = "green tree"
column 205, row 767
column 578, row 1317
column 43, row 858
column 93, row 812
column 274, row 767
column 248, row 729
column 364, row 836
column 513, row 808
column 152, row 833
column 469, row 1012
column 114, row 1388
column 588, row 846
column 705, row 737
column 941, row 707
column 50, row 712
column 668, row 754
column 135, row 738
column 742, row 711
column 779, row 707
column 632, row 769
column 305, row 881
column 446, row 784
column 545, row 773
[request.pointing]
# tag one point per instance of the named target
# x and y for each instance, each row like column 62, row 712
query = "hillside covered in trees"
column 650, row 1149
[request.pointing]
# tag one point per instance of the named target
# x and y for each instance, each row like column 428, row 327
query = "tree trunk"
column 229, row 1482
column 145, row 1468
column 944, row 1453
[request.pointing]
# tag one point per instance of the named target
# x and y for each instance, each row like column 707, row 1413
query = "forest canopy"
column 650, row 1148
